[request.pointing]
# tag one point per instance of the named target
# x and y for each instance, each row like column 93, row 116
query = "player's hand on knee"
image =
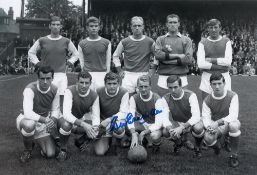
column 179, row 130
column 141, row 137
column 134, row 140
column 91, row 133
column 50, row 123
column 214, row 125
column 210, row 130
column 96, row 129
column 176, row 132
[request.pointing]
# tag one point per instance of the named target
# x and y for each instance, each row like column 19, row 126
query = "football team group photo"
column 129, row 87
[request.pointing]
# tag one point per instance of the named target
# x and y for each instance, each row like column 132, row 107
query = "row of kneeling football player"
column 145, row 114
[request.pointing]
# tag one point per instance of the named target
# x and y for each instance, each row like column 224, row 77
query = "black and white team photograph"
column 131, row 87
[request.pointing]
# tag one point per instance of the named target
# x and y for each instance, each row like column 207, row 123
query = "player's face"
column 172, row 24
column 45, row 80
column 175, row 89
column 55, row 27
column 137, row 27
column 218, row 87
column 83, row 85
column 112, row 86
column 214, row 31
column 144, row 88
column 93, row 28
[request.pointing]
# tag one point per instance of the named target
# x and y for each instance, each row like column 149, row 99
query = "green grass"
column 163, row 163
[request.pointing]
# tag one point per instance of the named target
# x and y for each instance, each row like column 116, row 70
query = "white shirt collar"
column 179, row 98
column 110, row 94
column 219, row 98
column 43, row 92
column 97, row 39
column 209, row 38
column 49, row 37
column 149, row 98
column 131, row 37
column 178, row 34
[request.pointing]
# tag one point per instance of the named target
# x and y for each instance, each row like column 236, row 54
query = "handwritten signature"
column 130, row 119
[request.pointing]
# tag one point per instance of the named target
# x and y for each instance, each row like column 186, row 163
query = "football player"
column 114, row 102
column 174, row 53
column 54, row 49
column 95, row 53
column 214, row 55
column 146, row 109
column 41, row 111
column 78, row 100
column 220, row 117
column 137, row 50
column 181, row 115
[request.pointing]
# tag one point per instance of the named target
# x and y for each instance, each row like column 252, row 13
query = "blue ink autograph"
column 131, row 119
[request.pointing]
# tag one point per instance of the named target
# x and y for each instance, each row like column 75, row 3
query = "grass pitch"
column 11, row 146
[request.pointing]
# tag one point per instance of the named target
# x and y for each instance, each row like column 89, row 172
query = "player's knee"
column 65, row 128
column 234, row 129
column 198, row 129
column 156, row 136
column 28, row 125
column 209, row 139
column 119, row 133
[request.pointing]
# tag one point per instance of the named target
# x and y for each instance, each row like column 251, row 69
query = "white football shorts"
column 97, row 80
column 162, row 81
column 129, row 81
column 60, row 80
column 205, row 82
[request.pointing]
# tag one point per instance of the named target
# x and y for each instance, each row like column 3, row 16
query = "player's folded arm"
column 227, row 60
column 158, row 51
column 187, row 57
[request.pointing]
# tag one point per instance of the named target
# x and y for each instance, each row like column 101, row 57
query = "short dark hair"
column 217, row 76
column 111, row 76
column 172, row 16
column 144, row 78
column 85, row 74
column 174, row 78
column 213, row 22
column 55, row 18
column 93, row 20
column 45, row 70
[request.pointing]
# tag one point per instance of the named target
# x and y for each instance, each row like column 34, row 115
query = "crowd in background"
column 15, row 66
column 241, row 31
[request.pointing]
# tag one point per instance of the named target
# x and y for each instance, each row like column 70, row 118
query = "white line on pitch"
column 14, row 78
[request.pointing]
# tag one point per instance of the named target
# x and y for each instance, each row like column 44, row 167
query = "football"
column 137, row 155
